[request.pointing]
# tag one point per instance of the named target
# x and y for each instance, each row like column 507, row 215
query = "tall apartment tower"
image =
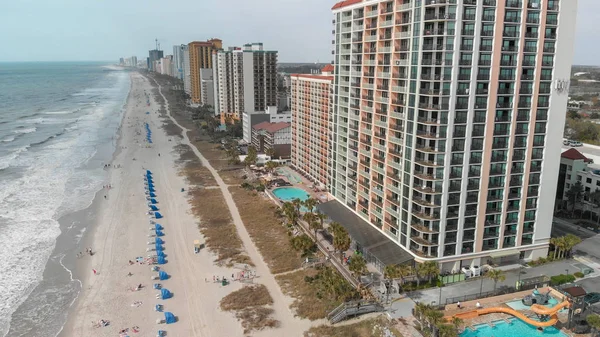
column 200, row 57
column 447, row 116
column 154, row 55
column 311, row 111
column 245, row 79
column 187, row 80
column 178, row 61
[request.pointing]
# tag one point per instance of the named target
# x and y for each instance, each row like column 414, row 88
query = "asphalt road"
column 562, row 227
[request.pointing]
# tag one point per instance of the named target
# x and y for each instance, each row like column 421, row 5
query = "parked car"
column 574, row 143
column 591, row 298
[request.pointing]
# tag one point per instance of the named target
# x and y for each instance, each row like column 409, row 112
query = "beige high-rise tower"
column 200, row 57
column 448, row 123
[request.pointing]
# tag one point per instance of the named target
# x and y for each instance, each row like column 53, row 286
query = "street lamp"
column 567, row 270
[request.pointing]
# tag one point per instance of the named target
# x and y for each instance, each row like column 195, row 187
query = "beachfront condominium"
column 187, row 81
column 448, row 116
column 311, row 110
column 154, row 55
column 245, row 79
column 178, row 54
column 200, row 57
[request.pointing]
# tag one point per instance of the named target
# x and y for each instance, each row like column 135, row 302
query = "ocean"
column 58, row 126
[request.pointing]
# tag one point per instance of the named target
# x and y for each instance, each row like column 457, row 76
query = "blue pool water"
column 516, row 327
column 291, row 193
column 518, row 304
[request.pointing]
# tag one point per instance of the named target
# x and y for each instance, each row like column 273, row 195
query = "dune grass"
column 266, row 230
column 215, row 223
column 251, row 307
column 373, row 327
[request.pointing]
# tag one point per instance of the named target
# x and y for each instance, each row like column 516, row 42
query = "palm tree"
column 435, row 319
column 271, row 166
column 252, row 156
column 315, row 224
column 554, row 243
column 456, row 322
column 430, row 269
column 289, row 210
column 311, row 220
column 405, row 271
column 571, row 241
column 302, row 243
column 447, row 330
column 391, row 271
column 358, row 265
column 574, row 195
column 321, row 217
column 335, row 227
column 496, row 275
column 420, row 271
column 310, row 204
column 594, row 321
column 297, row 203
column 341, row 241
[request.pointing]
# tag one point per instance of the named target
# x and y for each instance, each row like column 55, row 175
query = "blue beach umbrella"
column 161, row 260
column 165, row 294
column 153, row 201
column 153, row 208
column 159, row 241
column 162, row 275
column 157, row 215
column 158, row 226
column 170, row 318
column 159, row 233
column 152, row 195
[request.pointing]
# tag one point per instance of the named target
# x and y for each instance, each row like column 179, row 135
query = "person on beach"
column 95, row 272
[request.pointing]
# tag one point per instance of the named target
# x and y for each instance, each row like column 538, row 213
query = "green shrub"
column 561, row 279
column 578, row 274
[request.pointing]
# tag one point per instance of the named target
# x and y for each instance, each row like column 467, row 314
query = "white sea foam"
column 58, row 112
column 26, row 130
column 52, row 184
column 8, row 139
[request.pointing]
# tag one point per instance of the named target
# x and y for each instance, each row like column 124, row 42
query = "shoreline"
column 63, row 272
column 121, row 235
column 78, row 273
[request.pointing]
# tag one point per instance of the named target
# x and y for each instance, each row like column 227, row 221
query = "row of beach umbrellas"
column 157, row 231
column 148, row 133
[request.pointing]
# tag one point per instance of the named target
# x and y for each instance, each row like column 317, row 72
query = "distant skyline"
column 75, row 30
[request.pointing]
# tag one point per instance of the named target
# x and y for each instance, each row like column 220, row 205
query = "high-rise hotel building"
column 200, row 57
column 245, row 79
column 448, row 118
column 311, row 111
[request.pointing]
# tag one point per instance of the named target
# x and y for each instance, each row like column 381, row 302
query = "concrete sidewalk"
column 473, row 286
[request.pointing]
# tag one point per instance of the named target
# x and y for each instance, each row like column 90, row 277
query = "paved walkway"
column 473, row 286
column 280, row 301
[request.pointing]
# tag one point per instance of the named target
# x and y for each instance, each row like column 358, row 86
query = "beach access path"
column 121, row 235
column 289, row 324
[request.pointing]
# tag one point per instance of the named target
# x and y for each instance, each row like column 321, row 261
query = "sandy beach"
column 121, row 235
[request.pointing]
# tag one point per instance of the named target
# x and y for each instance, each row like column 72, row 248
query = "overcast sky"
column 62, row 30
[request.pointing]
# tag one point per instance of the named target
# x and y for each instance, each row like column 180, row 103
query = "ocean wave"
column 8, row 139
column 59, row 112
column 23, row 129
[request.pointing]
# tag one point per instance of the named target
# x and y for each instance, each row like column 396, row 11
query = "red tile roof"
column 345, row 3
column 271, row 127
column 574, row 155
column 327, row 69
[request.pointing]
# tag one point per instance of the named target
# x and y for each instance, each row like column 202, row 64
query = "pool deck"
column 304, row 184
column 500, row 301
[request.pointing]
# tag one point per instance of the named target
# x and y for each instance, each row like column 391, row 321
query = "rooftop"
column 573, row 154
column 327, row 69
column 345, row 3
column 375, row 242
column 271, row 127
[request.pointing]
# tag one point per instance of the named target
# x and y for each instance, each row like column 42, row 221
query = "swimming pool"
column 516, row 327
column 518, row 304
column 291, row 193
